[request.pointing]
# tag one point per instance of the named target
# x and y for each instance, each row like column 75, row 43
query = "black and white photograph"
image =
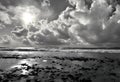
column 59, row 40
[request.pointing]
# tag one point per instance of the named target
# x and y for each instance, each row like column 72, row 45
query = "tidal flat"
column 60, row 66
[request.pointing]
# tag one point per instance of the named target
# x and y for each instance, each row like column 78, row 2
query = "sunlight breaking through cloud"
column 28, row 18
column 86, row 22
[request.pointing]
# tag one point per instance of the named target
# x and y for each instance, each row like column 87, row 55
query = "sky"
column 84, row 23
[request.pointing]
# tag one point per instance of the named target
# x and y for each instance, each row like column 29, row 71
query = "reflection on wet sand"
column 23, row 65
column 81, row 69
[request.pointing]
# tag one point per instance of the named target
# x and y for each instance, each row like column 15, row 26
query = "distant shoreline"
column 76, row 50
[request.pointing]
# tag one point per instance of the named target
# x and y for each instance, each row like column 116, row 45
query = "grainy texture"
column 63, row 69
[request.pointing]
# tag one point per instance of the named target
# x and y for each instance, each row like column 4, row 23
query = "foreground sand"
column 62, row 67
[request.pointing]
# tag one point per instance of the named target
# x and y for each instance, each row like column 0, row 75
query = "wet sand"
column 60, row 67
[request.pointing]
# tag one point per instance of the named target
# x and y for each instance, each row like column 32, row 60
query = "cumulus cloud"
column 2, row 26
column 4, row 17
column 20, row 32
column 11, row 41
column 49, row 33
column 11, row 10
column 39, row 13
column 93, row 22
column 5, row 40
column 2, row 7
column 96, row 26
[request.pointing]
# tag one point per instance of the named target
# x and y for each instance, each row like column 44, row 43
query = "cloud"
column 11, row 10
column 45, row 3
column 2, row 7
column 2, row 26
column 85, row 22
column 26, row 42
column 44, row 33
column 20, row 32
column 11, row 41
column 43, row 11
column 49, row 33
column 95, row 25
column 5, row 40
column 5, row 18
